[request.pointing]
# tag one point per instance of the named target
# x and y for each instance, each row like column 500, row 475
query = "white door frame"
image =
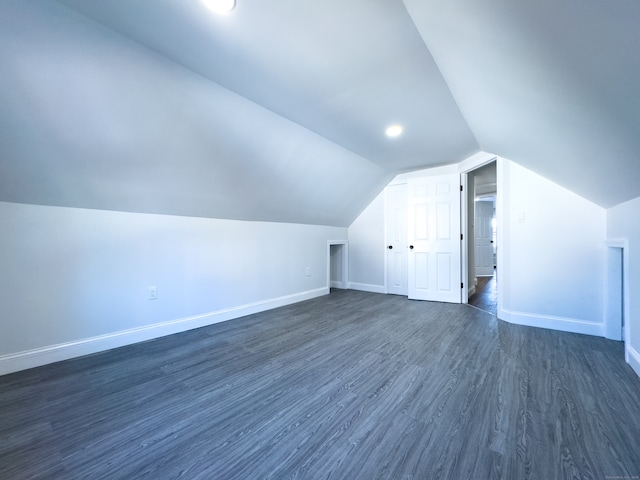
column 464, row 216
column 464, row 245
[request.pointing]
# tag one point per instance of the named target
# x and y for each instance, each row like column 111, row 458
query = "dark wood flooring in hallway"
column 486, row 296
column 351, row 385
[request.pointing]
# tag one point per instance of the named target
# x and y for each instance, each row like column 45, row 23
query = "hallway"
column 486, row 296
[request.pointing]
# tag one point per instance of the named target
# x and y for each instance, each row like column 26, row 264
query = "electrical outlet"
column 307, row 271
column 153, row 293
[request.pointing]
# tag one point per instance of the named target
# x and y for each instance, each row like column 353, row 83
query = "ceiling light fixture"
column 394, row 131
column 220, row 6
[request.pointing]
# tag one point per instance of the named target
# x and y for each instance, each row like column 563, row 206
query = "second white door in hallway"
column 484, row 238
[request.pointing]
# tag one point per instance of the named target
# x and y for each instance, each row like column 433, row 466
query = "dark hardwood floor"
column 352, row 385
column 486, row 296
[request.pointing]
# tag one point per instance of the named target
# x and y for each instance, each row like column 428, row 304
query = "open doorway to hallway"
column 482, row 238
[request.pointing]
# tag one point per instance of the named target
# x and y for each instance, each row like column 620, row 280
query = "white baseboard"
column 472, row 291
column 633, row 358
column 364, row 287
column 337, row 284
column 571, row 325
column 55, row 353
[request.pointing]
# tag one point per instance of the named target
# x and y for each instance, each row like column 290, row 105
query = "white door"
column 434, row 239
column 396, row 238
column 484, row 238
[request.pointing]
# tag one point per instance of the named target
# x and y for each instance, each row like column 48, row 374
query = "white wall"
column 75, row 281
column 550, row 265
column 366, row 248
column 91, row 119
column 551, row 253
column 623, row 224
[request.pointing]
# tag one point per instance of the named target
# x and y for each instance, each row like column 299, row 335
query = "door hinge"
column 462, row 285
column 461, row 188
column 461, row 236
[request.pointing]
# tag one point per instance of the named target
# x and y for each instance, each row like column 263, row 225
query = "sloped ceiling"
column 552, row 85
column 277, row 111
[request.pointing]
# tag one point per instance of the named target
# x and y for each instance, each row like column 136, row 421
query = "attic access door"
column 434, row 239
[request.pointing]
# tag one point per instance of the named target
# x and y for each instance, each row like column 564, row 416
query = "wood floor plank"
column 352, row 385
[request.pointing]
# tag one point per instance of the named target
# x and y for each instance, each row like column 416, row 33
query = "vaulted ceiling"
column 277, row 111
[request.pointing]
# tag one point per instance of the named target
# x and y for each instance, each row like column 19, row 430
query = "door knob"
column 390, row 247
column 410, row 247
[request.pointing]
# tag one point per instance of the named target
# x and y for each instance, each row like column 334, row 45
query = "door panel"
column 396, row 238
column 443, row 217
column 434, row 239
column 421, row 272
column 421, row 232
column 444, row 272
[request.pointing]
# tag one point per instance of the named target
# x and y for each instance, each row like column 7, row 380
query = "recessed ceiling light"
column 394, row 130
column 220, row 6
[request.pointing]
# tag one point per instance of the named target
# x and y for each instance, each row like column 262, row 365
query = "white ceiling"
column 277, row 111
column 553, row 85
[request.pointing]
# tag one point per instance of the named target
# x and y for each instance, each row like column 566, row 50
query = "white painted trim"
column 364, row 287
column 501, row 177
column 468, row 165
column 385, row 222
column 564, row 324
column 42, row 356
column 632, row 357
column 464, row 244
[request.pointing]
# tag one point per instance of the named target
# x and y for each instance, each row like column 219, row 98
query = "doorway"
column 616, row 307
column 481, row 245
column 337, row 264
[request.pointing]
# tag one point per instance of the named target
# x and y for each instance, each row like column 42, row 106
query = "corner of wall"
column 547, row 259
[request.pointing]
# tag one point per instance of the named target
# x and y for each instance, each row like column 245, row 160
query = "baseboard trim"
column 364, row 287
column 563, row 324
column 472, row 291
column 65, row 351
column 632, row 356
column 337, row 284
